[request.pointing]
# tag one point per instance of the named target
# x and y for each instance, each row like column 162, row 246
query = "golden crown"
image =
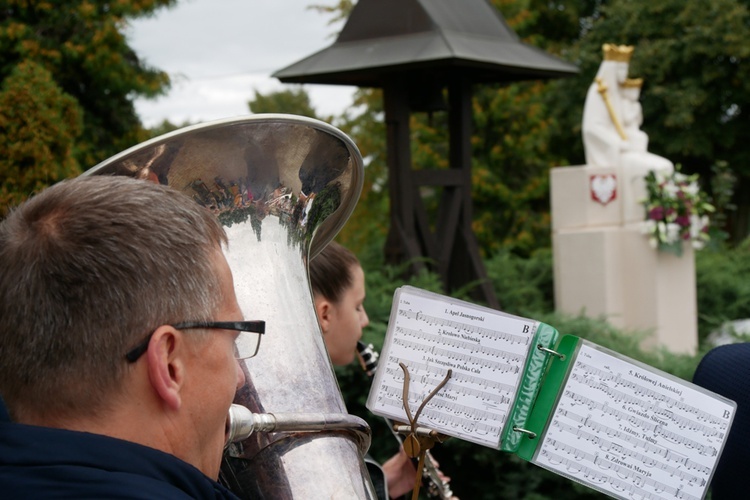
column 619, row 53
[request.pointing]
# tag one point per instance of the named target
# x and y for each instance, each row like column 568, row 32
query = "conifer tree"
column 78, row 52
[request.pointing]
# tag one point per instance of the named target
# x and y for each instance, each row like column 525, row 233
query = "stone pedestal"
column 589, row 279
column 660, row 293
column 605, row 267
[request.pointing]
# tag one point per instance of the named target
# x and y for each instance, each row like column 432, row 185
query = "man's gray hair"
column 88, row 268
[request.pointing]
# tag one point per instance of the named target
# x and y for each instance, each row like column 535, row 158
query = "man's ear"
column 323, row 310
column 165, row 364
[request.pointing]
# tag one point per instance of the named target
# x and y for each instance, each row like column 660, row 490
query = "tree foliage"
column 292, row 101
column 369, row 223
column 38, row 127
column 511, row 168
column 338, row 11
column 89, row 66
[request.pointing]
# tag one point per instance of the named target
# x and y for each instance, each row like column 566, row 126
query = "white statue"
column 632, row 115
column 612, row 117
column 634, row 151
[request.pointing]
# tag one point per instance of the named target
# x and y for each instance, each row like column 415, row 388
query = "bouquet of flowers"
column 676, row 211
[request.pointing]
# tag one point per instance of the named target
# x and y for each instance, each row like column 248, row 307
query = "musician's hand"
column 445, row 479
column 400, row 474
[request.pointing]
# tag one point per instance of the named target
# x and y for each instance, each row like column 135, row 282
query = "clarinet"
column 436, row 487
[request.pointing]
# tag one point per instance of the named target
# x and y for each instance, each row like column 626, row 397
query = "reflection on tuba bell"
column 282, row 186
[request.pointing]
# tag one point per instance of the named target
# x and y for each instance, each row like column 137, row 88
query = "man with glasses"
column 119, row 338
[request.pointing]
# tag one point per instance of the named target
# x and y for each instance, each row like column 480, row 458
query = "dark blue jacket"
column 726, row 371
column 39, row 462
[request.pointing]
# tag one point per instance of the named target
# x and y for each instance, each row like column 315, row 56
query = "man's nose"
column 365, row 318
column 240, row 374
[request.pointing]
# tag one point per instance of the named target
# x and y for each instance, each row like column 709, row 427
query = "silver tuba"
column 282, row 186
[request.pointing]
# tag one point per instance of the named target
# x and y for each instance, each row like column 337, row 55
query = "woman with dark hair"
column 338, row 284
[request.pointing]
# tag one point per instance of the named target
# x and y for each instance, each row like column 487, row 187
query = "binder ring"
column 550, row 351
column 531, row 434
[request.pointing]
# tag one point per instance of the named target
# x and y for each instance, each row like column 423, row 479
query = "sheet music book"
column 566, row 404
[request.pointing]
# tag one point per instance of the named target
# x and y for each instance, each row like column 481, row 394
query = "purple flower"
column 656, row 213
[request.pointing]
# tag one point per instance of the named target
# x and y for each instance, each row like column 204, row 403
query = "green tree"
column 368, row 225
column 293, row 101
column 165, row 127
column 38, row 127
column 511, row 167
column 338, row 11
column 514, row 127
column 81, row 45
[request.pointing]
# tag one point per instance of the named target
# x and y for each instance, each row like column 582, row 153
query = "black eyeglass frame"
column 241, row 326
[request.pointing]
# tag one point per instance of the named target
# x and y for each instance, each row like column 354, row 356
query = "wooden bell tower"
column 421, row 48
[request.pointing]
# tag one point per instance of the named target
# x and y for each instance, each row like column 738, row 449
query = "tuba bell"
column 282, row 186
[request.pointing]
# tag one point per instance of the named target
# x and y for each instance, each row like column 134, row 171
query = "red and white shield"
column 603, row 188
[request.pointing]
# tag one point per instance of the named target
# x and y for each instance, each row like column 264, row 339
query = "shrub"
column 723, row 287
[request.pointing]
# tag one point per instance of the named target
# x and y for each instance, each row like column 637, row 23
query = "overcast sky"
column 217, row 52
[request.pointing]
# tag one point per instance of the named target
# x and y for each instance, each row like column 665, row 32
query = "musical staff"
column 657, row 397
column 499, row 395
column 467, row 358
column 432, row 340
column 633, row 432
column 485, row 349
column 630, row 487
column 467, row 327
column 650, row 425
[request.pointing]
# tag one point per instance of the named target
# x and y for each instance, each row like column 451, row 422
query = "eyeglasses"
column 245, row 346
